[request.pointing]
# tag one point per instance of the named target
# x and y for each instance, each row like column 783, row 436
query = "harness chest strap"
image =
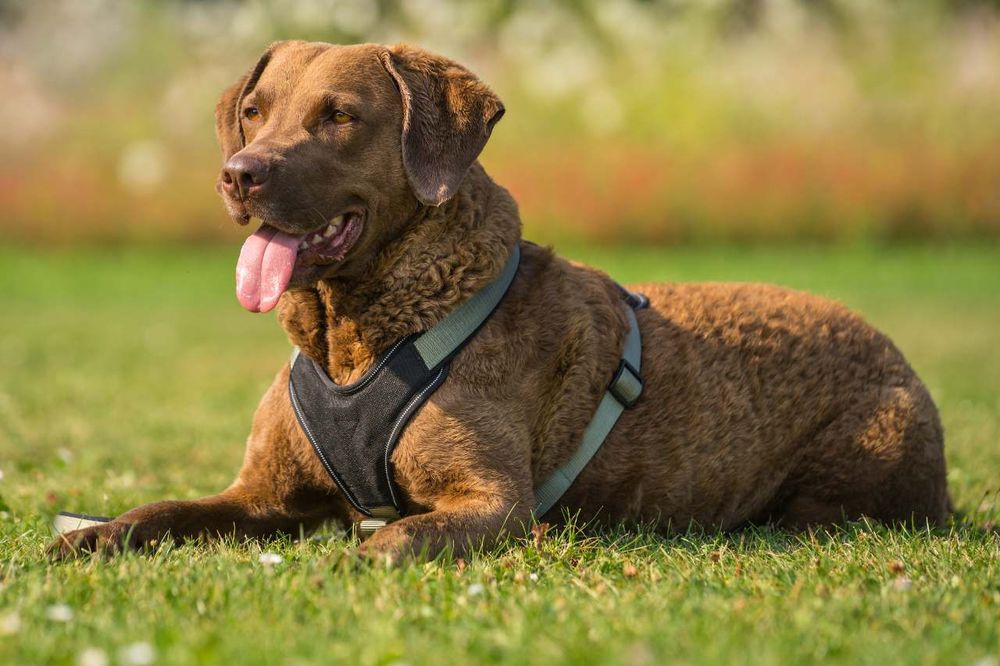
column 622, row 393
column 354, row 428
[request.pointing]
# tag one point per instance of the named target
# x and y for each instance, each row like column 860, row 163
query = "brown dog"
column 759, row 403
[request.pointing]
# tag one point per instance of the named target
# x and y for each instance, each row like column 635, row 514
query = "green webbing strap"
column 448, row 334
column 622, row 393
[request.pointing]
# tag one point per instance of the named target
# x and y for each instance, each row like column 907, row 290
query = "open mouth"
column 271, row 259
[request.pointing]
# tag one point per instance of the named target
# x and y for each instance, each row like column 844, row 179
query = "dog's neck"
column 443, row 256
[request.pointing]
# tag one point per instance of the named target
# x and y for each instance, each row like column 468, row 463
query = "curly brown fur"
column 760, row 403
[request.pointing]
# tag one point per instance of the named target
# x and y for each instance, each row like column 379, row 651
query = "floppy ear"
column 227, row 122
column 448, row 115
column 228, row 128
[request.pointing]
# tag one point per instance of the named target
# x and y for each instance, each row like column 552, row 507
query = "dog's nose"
column 244, row 174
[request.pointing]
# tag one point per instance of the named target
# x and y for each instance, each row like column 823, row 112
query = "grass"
column 130, row 375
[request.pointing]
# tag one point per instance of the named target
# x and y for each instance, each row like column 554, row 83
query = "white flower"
column 475, row 589
column 10, row 624
column 1, row 475
column 533, row 577
column 92, row 656
column 64, row 454
column 270, row 559
column 59, row 613
column 902, row 584
column 137, row 654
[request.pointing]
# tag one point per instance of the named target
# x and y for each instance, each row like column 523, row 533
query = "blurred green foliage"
column 634, row 120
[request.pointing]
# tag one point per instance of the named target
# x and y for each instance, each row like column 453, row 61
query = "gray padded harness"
column 354, row 428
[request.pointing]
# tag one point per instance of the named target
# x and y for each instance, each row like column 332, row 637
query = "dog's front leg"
column 282, row 488
column 467, row 463
column 460, row 522
column 231, row 513
column 460, row 530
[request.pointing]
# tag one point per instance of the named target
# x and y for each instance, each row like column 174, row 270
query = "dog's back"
column 763, row 403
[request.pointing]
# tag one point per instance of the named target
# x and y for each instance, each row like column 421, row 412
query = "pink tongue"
column 265, row 267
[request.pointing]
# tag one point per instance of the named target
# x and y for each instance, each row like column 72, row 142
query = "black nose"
column 244, row 174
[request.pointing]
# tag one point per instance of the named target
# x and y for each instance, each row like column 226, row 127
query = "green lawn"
column 131, row 375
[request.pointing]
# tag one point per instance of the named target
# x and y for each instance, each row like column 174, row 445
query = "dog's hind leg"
column 883, row 458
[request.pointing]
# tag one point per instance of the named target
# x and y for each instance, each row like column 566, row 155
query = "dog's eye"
column 251, row 113
column 341, row 118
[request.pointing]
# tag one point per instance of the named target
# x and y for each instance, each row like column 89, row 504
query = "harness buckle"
column 380, row 517
column 638, row 301
column 634, row 299
column 366, row 528
column 626, row 386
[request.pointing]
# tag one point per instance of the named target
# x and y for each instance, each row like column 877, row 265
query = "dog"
column 759, row 404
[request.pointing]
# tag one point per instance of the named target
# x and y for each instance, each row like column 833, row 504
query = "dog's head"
column 333, row 148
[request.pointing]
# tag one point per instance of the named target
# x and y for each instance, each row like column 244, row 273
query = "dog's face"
column 333, row 148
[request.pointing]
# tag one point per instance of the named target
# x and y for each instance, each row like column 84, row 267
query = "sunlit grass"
column 131, row 375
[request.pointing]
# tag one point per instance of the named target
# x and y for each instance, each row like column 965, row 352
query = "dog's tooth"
column 303, row 245
column 337, row 221
column 330, row 230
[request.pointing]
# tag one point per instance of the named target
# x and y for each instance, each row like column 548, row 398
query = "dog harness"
column 354, row 428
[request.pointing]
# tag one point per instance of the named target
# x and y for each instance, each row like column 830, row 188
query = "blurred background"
column 628, row 121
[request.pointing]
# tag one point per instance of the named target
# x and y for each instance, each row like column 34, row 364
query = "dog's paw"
column 107, row 539
column 79, row 542
column 377, row 557
column 397, row 544
column 387, row 548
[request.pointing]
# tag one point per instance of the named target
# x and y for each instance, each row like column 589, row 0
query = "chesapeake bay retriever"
column 760, row 403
